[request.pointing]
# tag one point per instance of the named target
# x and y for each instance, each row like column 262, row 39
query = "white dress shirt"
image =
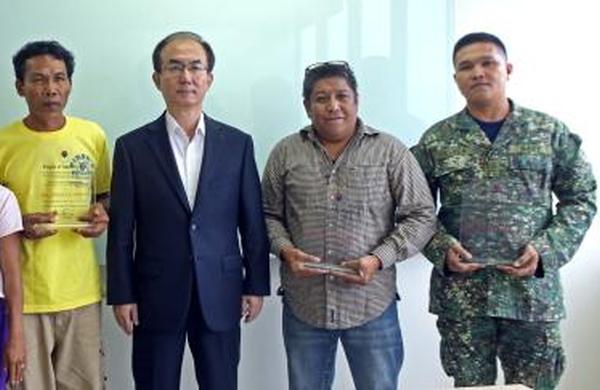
column 188, row 153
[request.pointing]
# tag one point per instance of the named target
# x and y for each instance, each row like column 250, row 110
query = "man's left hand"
column 15, row 359
column 525, row 265
column 98, row 220
column 251, row 307
column 366, row 267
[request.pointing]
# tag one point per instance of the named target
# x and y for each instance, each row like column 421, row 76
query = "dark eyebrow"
column 41, row 74
column 486, row 57
column 175, row 61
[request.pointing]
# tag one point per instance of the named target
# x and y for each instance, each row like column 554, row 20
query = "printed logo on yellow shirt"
column 81, row 165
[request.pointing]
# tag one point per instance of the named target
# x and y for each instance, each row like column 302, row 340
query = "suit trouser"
column 157, row 355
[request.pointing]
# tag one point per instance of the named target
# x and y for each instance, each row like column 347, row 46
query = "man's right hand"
column 457, row 260
column 126, row 316
column 295, row 259
column 35, row 225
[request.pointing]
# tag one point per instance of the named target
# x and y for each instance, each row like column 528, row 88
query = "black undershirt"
column 491, row 129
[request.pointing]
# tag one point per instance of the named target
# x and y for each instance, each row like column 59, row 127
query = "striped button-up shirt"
column 372, row 200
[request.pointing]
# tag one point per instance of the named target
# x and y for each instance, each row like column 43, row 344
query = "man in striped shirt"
column 339, row 193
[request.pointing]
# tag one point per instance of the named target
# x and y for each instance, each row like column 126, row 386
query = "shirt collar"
column 174, row 128
column 466, row 122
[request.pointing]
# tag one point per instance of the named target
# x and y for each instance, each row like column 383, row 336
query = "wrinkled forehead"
column 183, row 49
column 45, row 63
column 332, row 84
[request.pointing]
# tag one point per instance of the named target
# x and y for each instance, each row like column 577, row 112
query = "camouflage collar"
column 464, row 121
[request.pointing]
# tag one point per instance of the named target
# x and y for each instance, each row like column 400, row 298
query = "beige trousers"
column 64, row 350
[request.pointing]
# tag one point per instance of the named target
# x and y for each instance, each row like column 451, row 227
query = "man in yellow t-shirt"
column 58, row 167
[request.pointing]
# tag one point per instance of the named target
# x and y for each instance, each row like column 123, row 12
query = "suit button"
column 193, row 226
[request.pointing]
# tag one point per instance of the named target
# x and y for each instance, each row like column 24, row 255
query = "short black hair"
column 210, row 55
column 478, row 37
column 40, row 48
column 323, row 70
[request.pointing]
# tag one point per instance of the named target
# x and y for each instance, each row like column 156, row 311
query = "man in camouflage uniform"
column 499, row 247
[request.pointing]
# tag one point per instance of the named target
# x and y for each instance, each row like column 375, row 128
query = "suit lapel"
column 158, row 141
column 212, row 148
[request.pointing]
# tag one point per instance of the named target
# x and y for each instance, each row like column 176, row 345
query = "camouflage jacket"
column 499, row 197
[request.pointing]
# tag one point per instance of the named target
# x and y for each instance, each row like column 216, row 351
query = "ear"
column 509, row 69
column 156, row 80
column 307, row 107
column 211, row 78
column 19, row 87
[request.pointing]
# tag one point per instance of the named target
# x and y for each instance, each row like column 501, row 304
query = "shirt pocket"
column 530, row 177
column 304, row 187
column 453, row 174
column 451, row 165
column 530, row 162
column 367, row 184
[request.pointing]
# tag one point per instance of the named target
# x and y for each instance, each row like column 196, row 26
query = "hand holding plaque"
column 458, row 259
column 38, row 225
column 97, row 219
column 525, row 265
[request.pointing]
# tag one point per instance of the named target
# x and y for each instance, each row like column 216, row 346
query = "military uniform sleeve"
column 574, row 185
column 273, row 188
column 435, row 250
column 415, row 218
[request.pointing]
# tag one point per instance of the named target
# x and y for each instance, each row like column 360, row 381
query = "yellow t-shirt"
column 59, row 272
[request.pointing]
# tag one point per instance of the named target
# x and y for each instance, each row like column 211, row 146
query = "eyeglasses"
column 178, row 68
column 326, row 64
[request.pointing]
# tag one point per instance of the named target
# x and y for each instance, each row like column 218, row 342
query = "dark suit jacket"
column 157, row 244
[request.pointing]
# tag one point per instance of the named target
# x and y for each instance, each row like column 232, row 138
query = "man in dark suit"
column 187, row 247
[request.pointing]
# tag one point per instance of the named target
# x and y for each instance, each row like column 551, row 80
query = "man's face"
column 332, row 108
column 183, row 79
column 481, row 73
column 45, row 85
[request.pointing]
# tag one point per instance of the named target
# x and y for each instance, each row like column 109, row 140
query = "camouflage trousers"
column 530, row 352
